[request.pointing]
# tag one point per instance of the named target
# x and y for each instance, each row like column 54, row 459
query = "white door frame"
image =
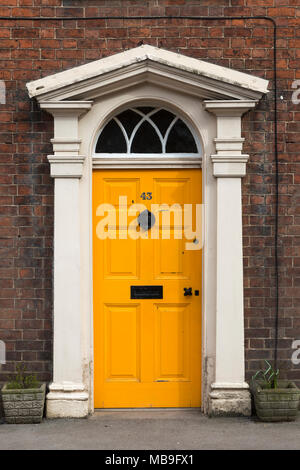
column 212, row 100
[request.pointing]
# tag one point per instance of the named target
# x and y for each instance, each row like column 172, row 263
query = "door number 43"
column 146, row 196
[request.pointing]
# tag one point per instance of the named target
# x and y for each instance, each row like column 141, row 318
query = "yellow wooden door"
column 147, row 352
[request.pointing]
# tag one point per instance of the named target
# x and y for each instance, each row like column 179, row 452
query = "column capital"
column 66, row 115
column 66, row 166
column 229, row 107
column 229, row 166
column 66, row 161
column 60, row 108
column 229, row 161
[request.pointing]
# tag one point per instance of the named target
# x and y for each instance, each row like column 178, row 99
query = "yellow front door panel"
column 147, row 352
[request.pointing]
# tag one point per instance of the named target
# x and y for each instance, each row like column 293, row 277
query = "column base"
column 229, row 401
column 67, row 400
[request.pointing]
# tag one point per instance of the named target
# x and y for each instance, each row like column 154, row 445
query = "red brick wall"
column 32, row 50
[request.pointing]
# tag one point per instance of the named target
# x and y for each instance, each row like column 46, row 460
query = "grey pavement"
column 151, row 430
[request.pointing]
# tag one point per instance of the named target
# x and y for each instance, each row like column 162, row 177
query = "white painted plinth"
column 67, row 401
column 229, row 402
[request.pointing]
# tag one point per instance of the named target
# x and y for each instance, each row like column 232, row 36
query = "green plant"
column 22, row 381
column 269, row 376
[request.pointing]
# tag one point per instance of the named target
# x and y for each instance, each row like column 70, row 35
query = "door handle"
column 187, row 291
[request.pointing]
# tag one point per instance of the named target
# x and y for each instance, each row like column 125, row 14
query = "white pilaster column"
column 68, row 396
column 229, row 393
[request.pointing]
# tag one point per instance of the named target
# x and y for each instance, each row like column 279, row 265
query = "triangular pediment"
column 148, row 64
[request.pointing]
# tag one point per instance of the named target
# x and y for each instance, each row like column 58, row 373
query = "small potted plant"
column 23, row 398
column 274, row 399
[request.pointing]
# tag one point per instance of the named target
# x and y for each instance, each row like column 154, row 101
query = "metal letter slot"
column 146, row 292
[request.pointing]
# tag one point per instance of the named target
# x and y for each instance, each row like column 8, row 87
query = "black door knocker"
column 146, row 220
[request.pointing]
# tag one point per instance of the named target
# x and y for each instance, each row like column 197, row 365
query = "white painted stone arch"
column 212, row 100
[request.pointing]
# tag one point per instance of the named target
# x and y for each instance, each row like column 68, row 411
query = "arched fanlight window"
column 146, row 130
